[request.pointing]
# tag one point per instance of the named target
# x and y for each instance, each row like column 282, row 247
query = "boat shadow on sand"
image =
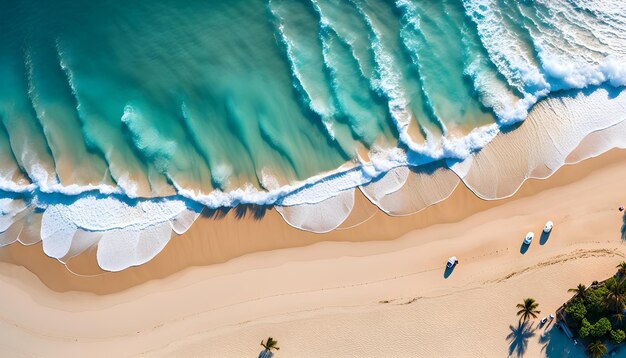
column 524, row 248
column 623, row 229
column 448, row 271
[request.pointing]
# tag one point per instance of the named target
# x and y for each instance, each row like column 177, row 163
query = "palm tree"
column 619, row 319
column 270, row 344
column 579, row 290
column 616, row 298
column 596, row 349
column 621, row 268
column 528, row 309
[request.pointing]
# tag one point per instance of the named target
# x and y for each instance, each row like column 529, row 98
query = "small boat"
column 548, row 227
column 551, row 316
column 529, row 238
column 452, row 261
column 544, row 320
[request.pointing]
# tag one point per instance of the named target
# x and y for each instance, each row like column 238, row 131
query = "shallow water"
column 216, row 103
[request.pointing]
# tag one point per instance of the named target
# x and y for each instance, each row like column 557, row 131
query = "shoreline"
column 496, row 171
column 203, row 244
column 371, row 295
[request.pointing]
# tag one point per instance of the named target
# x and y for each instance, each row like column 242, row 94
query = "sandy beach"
column 191, row 179
column 376, row 289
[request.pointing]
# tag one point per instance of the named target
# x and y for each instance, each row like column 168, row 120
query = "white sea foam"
column 555, row 71
column 599, row 142
column 43, row 182
column 68, row 228
column 76, row 218
column 554, row 129
column 147, row 139
column 119, row 249
column 614, row 71
column 389, row 183
column 421, row 187
column 269, row 181
column 387, row 82
column 321, row 217
column 570, row 127
column 505, row 49
column 10, row 209
column 299, row 81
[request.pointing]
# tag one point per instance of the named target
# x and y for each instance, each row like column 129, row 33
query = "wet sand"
column 374, row 289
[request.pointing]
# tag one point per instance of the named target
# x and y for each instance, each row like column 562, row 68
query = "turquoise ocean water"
column 213, row 92
column 222, row 102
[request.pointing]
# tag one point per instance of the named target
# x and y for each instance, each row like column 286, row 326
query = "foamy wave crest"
column 538, row 91
column 127, row 232
column 553, row 130
column 299, row 82
column 552, row 71
column 321, row 217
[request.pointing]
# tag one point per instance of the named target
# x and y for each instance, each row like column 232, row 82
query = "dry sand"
column 352, row 292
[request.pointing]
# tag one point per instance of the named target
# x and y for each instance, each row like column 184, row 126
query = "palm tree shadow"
column 544, row 237
column 266, row 354
column 518, row 338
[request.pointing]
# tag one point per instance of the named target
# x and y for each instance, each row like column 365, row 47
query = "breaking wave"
column 111, row 143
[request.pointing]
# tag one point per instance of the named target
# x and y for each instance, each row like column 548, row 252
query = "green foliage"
column 598, row 329
column 603, row 305
column 616, row 297
column 270, row 344
column 595, row 299
column 576, row 310
column 596, row 349
column 585, row 329
column 528, row 309
column 610, row 283
column 617, row 336
column 601, row 327
column 579, row 290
